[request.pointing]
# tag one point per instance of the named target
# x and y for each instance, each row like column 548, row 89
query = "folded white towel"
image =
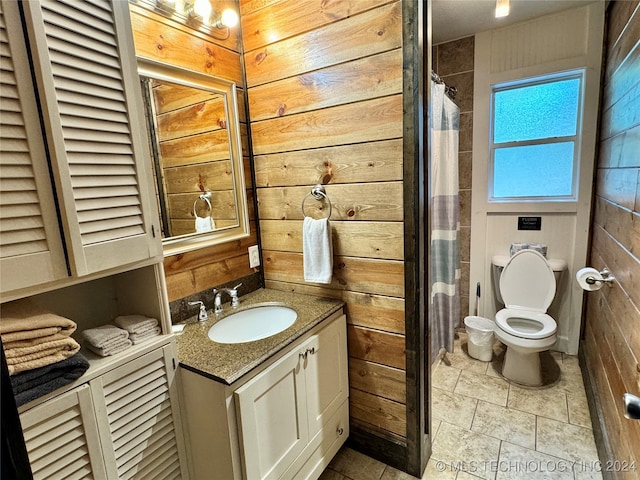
column 135, row 323
column 105, row 336
column 141, row 337
column 205, row 224
column 112, row 348
column 317, row 250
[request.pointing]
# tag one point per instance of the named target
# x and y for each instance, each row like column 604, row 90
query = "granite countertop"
column 226, row 363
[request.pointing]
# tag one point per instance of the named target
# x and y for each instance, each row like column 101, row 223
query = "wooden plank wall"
column 324, row 83
column 162, row 40
column 612, row 343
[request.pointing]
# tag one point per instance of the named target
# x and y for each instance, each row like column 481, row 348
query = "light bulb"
column 202, row 8
column 229, row 18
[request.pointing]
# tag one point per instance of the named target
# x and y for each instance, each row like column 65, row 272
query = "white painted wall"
column 565, row 41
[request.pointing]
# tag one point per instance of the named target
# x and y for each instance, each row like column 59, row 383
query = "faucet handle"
column 235, row 301
column 202, row 314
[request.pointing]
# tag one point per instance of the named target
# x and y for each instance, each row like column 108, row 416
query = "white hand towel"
column 137, row 338
column 317, row 250
column 105, row 336
column 205, row 224
column 135, row 323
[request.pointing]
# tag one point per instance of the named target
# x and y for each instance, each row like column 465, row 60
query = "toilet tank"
column 498, row 262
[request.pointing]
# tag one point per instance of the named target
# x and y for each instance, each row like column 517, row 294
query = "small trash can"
column 479, row 337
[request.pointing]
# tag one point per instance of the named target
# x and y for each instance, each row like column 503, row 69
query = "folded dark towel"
column 32, row 384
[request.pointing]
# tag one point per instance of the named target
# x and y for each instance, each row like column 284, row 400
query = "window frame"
column 575, row 139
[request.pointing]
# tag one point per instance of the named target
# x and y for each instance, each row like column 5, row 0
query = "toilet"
column 527, row 286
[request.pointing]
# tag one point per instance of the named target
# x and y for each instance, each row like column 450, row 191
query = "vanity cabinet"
column 122, row 424
column 285, row 421
column 85, row 72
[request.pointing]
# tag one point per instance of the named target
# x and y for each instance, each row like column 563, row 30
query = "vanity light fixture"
column 502, row 8
column 197, row 14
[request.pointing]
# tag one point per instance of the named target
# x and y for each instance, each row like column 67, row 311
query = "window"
column 536, row 138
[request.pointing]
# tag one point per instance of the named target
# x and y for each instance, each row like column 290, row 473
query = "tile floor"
column 487, row 428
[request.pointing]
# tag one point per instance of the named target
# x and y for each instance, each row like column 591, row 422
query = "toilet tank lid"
column 556, row 264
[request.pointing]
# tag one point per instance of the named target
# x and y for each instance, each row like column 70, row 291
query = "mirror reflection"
column 195, row 144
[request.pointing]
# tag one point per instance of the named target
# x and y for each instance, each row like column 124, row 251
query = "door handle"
column 631, row 406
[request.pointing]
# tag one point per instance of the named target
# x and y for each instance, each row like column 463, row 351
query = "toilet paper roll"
column 588, row 272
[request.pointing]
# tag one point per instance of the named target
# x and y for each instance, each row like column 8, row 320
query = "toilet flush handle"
column 631, row 406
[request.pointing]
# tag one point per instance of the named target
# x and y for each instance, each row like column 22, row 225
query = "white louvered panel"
column 30, row 242
column 85, row 52
column 90, row 53
column 57, row 437
column 165, row 452
column 138, row 404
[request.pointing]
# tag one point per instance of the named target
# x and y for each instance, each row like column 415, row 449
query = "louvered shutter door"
column 87, row 77
column 30, row 243
column 62, row 439
column 141, row 420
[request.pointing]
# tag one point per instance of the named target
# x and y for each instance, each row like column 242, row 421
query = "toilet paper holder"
column 606, row 277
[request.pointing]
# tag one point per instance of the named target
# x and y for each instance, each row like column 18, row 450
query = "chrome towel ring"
column 318, row 192
column 206, row 198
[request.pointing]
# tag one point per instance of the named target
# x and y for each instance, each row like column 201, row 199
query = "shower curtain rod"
column 450, row 91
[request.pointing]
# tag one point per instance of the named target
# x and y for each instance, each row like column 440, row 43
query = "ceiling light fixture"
column 502, row 8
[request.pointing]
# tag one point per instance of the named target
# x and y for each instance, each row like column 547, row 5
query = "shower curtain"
column 445, row 223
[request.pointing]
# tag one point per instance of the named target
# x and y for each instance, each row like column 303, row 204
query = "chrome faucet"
column 202, row 314
column 233, row 294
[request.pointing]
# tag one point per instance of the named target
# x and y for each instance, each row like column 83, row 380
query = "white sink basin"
column 253, row 324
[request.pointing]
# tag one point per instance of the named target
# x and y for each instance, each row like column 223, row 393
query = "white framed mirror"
column 194, row 137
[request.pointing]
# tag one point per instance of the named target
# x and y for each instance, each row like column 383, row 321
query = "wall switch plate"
column 254, row 256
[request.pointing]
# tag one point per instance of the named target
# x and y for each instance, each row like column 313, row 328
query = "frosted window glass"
column 544, row 170
column 545, row 110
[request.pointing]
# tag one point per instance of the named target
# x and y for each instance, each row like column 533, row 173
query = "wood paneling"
column 326, row 107
column 340, row 84
column 295, row 17
column 378, row 411
column 362, row 162
column 378, row 379
column 353, row 239
column 366, row 121
column 358, row 36
column 612, row 338
column 355, row 201
column 159, row 40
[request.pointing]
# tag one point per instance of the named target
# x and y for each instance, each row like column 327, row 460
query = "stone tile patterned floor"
column 487, row 428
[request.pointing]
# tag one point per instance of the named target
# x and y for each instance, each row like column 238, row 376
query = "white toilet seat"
column 525, row 324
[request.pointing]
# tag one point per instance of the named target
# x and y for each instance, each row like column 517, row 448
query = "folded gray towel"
column 135, row 323
column 35, row 383
column 141, row 337
column 105, row 336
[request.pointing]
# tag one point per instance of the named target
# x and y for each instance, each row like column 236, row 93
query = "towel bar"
column 318, row 193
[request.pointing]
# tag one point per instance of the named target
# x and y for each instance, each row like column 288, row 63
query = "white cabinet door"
column 138, row 419
column 282, row 409
column 86, row 74
column 62, row 438
column 31, row 249
column 326, row 374
column 272, row 418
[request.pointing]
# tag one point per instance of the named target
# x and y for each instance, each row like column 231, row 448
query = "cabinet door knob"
column 303, row 355
column 340, row 430
column 311, row 350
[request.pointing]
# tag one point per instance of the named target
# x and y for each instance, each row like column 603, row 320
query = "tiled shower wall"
column 453, row 61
